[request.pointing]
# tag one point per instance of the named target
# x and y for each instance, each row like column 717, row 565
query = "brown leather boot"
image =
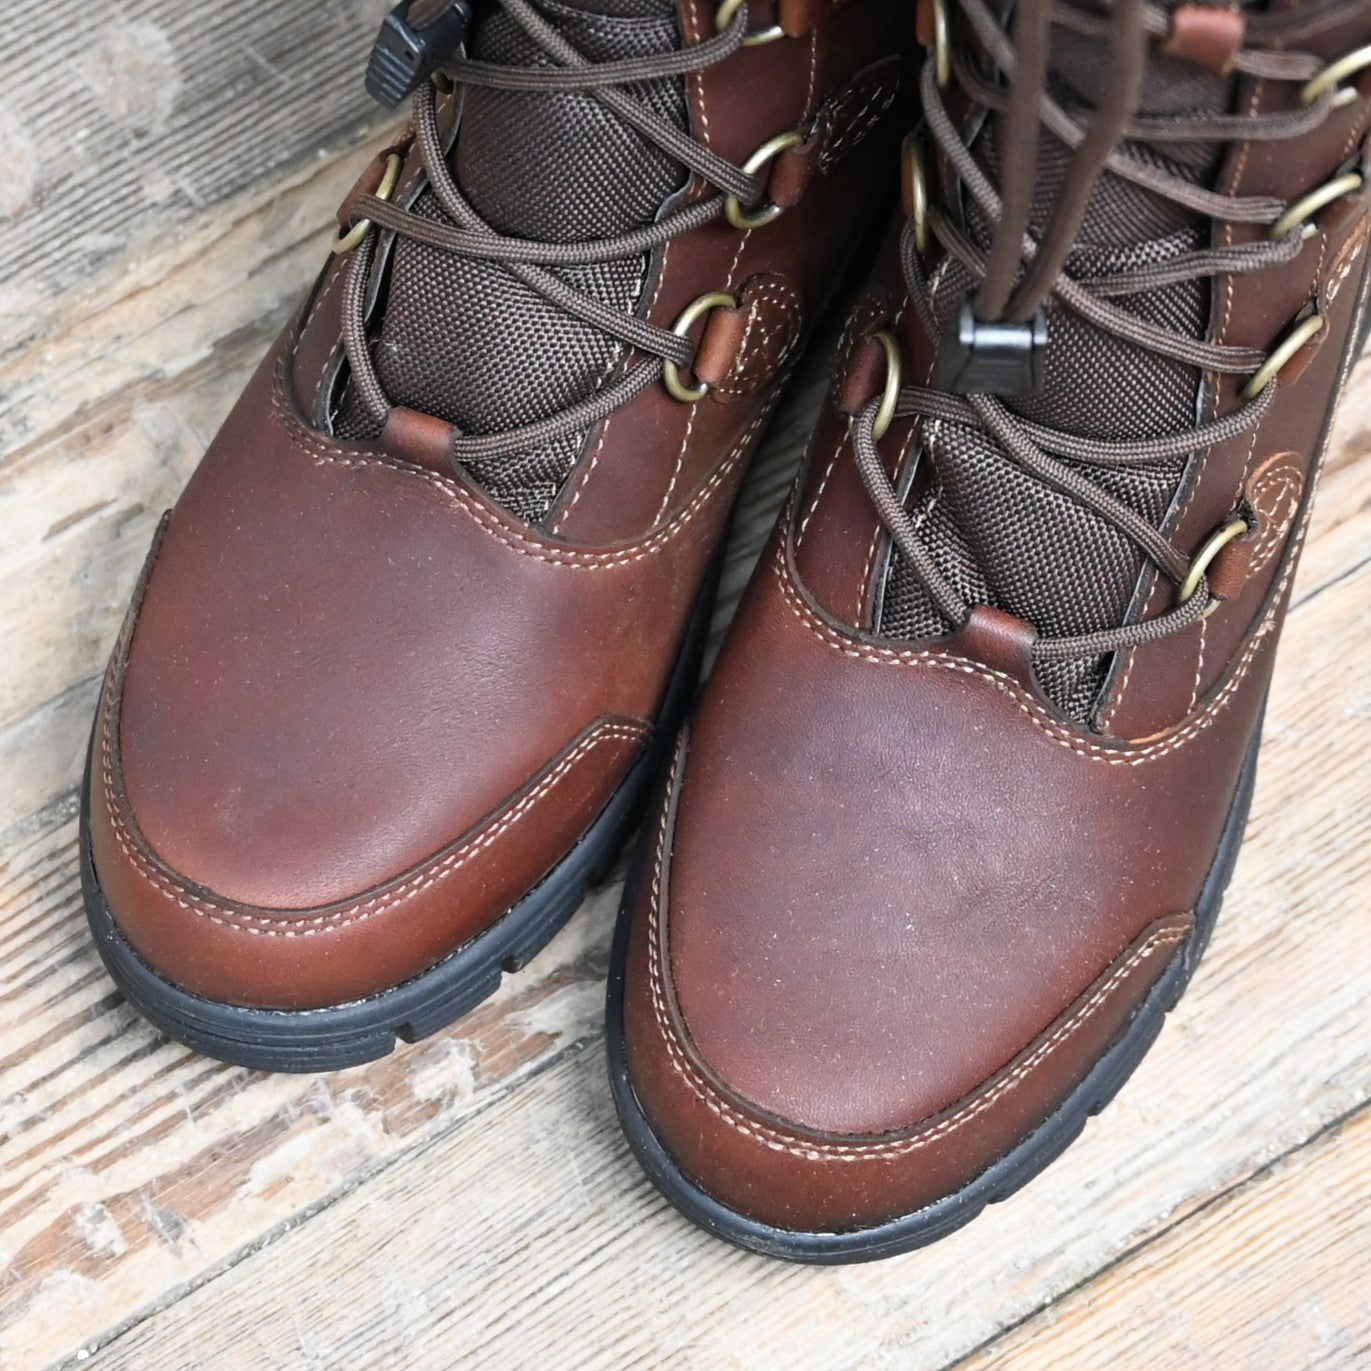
column 951, row 827
column 399, row 665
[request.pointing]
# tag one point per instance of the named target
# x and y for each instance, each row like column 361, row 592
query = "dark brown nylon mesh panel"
column 464, row 339
column 1003, row 537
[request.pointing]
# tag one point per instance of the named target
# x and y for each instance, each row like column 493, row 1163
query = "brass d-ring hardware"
column 1309, row 205
column 1334, row 74
column 1209, row 549
column 671, row 373
column 725, row 14
column 942, row 43
column 1289, row 346
column 734, row 211
column 916, row 193
column 346, row 241
column 890, row 396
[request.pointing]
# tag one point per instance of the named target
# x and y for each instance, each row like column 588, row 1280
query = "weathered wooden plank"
column 525, row 1235
column 129, row 1165
column 482, row 1201
column 79, row 505
column 1272, row 1275
column 123, row 124
column 102, row 429
column 125, row 375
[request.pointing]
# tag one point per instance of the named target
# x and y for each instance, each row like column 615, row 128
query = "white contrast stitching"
column 522, row 543
column 1125, row 754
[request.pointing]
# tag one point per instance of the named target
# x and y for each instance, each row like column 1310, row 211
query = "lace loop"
column 664, row 352
column 1018, row 271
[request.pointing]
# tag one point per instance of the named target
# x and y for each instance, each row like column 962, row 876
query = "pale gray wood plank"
column 1272, row 1275
column 122, row 123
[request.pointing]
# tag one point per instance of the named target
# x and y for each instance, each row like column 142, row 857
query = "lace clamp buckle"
column 995, row 358
column 408, row 51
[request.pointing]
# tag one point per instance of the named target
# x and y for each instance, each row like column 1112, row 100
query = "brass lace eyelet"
column 725, row 15
column 894, row 378
column 1334, row 74
column 1309, row 205
column 915, row 189
column 345, row 240
column 734, row 211
column 1203, row 559
column 671, row 373
column 942, row 42
column 1298, row 336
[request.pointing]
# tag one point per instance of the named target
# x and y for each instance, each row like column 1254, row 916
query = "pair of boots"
column 948, row 829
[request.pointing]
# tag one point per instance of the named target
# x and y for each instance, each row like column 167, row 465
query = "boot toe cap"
column 819, row 1104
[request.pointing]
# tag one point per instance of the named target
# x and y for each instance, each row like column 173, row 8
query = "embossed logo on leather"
column 1274, row 491
column 1345, row 259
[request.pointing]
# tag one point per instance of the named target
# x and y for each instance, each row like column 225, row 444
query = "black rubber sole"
column 1010, row 1174
column 364, row 1030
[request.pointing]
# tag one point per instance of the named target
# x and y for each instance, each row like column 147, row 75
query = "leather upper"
column 898, row 904
column 358, row 710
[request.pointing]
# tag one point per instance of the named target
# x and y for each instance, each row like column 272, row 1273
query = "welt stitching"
column 823, row 485
column 264, row 925
column 1199, row 666
column 1281, row 485
column 737, row 257
column 1107, row 718
column 615, row 357
column 582, row 478
column 1134, row 653
column 690, row 422
column 857, row 1151
column 323, row 376
column 813, row 72
column 876, row 539
column 1333, row 286
column 676, row 470
column 752, row 351
column 697, row 81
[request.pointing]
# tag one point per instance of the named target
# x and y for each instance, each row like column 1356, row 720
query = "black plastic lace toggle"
column 408, row 51
column 997, row 358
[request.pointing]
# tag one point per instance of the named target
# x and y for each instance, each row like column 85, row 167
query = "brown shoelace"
column 1018, row 274
column 529, row 261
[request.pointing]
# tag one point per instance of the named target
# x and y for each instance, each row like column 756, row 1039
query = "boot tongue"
column 463, row 339
column 563, row 167
column 1007, row 539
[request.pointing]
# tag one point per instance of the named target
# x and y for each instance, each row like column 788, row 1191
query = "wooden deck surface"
column 469, row 1200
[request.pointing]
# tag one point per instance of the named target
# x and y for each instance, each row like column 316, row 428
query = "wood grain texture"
column 124, row 124
column 1271, row 1275
column 99, row 429
column 130, row 1167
